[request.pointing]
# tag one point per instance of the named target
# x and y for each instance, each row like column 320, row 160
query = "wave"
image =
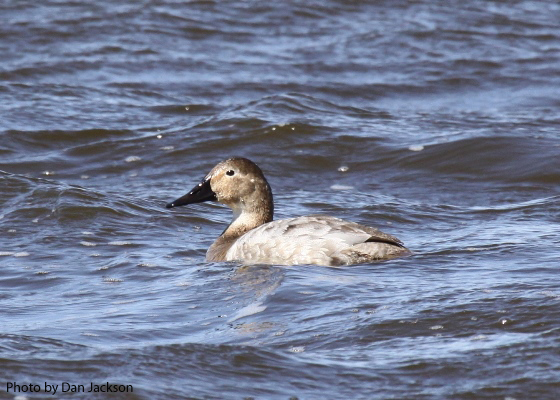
column 510, row 159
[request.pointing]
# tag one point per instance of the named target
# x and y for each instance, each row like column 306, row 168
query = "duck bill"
column 200, row 193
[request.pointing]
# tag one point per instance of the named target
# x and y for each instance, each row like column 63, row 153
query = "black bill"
column 200, row 193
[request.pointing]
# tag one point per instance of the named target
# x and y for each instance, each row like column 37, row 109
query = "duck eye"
column 231, row 172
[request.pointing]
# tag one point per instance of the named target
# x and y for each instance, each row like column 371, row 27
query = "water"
column 437, row 123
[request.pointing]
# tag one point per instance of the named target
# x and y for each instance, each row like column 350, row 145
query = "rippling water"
column 434, row 121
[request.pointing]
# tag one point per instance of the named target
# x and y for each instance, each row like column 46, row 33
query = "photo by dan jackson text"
column 66, row 387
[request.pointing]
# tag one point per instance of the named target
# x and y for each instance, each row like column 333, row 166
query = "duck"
column 254, row 237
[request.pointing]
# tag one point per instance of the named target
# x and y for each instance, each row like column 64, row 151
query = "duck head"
column 238, row 183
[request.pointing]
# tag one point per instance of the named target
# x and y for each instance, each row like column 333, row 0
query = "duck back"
column 315, row 239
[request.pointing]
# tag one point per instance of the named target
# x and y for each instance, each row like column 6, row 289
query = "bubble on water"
column 436, row 327
column 35, row 220
column 112, row 280
column 119, row 243
column 88, row 244
column 159, row 136
column 132, row 158
column 41, row 272
column 168, row 148
column 343, row 168
column 12, row 231
column 48, row 173
column 417, row 147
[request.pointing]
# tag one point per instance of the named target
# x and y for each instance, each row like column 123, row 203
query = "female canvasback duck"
column 253, row 237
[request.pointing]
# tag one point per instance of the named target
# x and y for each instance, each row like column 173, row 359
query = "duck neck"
column 248, row 218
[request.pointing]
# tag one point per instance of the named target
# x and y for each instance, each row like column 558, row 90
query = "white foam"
column 341, row 187
column 119, row 243
column 297, row 349
column 251, row 309
column 436, row 327
column 417, row 147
